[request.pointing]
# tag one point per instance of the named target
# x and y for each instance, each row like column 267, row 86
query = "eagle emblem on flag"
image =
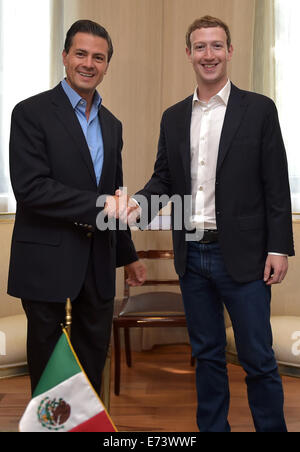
column 53, row 414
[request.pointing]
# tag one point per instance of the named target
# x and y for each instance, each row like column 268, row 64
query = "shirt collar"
column 222, row 95
column 75, row 98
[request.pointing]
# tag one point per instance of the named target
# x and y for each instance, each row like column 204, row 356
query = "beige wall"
column 8, row 305
column 285, row 296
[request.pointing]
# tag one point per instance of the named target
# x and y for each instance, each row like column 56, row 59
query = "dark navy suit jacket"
column 252, row 195
column 55, row 187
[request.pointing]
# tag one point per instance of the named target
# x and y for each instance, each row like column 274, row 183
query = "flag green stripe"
column 61, row 366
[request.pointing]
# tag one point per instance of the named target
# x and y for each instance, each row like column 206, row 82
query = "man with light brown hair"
column 223, row 147
column 207, row 22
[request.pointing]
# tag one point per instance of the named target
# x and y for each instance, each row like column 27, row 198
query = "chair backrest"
column 154, row 255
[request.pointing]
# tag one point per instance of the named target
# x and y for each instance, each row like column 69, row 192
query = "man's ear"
column 64, row 56
column 188, row 53
column 230, row 53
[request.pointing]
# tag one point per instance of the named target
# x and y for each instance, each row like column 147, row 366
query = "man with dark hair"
column 92, row 28
column 65, row 151
column 222, row 147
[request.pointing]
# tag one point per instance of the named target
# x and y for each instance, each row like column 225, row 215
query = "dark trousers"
column 206, row 287
column 90, row 333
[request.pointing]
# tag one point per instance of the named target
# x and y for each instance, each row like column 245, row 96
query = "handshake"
column 122, row 207
column 126, row 209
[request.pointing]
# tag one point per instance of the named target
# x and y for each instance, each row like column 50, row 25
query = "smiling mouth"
column 209, row 66
column 84, row 74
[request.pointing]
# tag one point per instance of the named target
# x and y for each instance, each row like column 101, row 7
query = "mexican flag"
column 64, row 400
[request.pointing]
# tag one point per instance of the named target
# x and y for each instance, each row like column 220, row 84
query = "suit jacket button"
column 89, row 235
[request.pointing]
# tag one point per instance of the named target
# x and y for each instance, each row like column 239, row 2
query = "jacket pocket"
column 43, row 236
column 252, row 222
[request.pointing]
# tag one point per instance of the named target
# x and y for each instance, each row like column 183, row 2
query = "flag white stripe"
column 76, row 392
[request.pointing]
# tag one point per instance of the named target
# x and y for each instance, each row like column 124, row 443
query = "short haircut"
column 207, row 22
column 87, row 26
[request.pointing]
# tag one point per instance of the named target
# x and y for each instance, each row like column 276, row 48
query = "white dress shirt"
column 206, row 127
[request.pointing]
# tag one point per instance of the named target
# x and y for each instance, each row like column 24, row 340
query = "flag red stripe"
column 98, row 423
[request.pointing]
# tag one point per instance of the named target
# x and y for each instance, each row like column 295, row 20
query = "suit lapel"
column 66, row 115
column 235, row 111
column 184, row 130
column 106, row 130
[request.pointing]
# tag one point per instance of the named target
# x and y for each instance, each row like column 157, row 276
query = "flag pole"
column 68, row 317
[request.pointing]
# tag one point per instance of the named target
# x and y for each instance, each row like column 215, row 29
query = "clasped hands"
column 127, row 210
column 122, row 207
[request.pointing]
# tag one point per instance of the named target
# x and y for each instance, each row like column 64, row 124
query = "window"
column 287, row 15
column 24, row 70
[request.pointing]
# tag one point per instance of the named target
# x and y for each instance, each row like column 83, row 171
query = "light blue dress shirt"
column 91, row 128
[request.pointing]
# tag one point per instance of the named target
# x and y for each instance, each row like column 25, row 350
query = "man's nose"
column 209, row 53
column 88, row 61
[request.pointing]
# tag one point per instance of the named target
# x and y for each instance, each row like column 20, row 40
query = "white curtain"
column 287, row 93
column 263, row 75
column 25, row 48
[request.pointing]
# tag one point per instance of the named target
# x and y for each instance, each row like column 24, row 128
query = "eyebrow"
column 85, row 51
column 211, row 42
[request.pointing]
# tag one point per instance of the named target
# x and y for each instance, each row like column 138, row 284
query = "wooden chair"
column 150, row 309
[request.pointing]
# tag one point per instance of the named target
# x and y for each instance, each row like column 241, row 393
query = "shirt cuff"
column 136, row 214
column 278, row 254
column 135, row 201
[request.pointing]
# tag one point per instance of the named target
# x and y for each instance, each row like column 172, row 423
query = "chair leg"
column 117, row 358
column 127, row 346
